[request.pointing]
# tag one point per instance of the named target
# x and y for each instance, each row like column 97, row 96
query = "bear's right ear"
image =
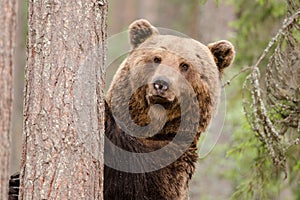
column 139, row 31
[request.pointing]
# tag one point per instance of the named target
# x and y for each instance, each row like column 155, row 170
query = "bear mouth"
column 160, row 99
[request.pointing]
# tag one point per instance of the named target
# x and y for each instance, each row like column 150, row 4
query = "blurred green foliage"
column 254, row 176
column 257, row 22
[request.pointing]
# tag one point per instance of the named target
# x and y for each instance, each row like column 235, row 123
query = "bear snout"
column 160, row 91
column 161, row 84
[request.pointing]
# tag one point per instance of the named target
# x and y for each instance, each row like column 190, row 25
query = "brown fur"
column 153, row 56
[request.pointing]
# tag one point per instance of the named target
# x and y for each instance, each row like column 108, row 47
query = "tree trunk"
column 63, row 109
column 7, row 42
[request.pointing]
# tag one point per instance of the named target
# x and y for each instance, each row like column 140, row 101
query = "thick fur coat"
column 163, row 95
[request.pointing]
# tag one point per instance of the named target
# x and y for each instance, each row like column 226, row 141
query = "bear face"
column 160, row 72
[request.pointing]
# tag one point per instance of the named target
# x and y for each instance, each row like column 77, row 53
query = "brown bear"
column 160, row 101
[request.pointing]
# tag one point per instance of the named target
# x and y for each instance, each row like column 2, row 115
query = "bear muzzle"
column 159, row 91
column 161, row 84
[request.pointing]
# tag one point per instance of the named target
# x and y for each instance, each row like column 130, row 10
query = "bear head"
column 166, row 79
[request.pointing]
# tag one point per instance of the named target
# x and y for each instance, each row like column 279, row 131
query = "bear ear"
column 223, row 52
column 139, row 31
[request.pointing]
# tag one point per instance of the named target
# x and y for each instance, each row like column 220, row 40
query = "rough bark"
column 7, row 42
column 63, row 140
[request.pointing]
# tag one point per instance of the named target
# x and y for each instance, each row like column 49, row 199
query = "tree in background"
column 63, row 110
column 8, row 18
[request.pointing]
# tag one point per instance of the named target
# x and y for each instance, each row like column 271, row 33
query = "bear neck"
column 166, row 120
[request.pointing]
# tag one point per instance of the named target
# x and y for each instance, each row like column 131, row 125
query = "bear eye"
column 157, row 60
column 184, row 66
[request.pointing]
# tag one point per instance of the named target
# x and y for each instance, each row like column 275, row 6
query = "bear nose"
column 161, row 84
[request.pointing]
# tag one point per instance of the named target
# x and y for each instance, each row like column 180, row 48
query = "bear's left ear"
column 139, row 31
column 223, row 52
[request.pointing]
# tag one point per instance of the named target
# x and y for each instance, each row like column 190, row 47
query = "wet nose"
column 161, row 84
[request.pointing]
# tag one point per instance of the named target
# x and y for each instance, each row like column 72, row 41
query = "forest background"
column 239, row 166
